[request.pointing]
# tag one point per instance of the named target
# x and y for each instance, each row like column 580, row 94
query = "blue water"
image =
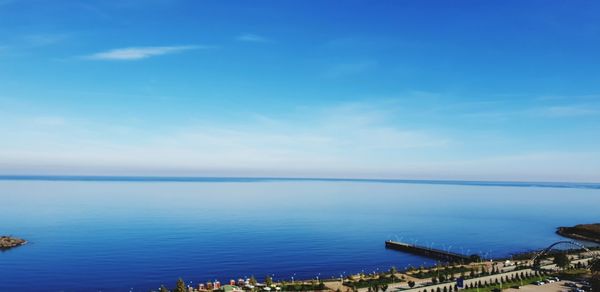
column 107, row 234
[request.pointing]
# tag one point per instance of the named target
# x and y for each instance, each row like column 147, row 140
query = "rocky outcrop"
column 7, row 242
column 587, row 232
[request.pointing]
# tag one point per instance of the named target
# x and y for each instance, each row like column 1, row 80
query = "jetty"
column 429, row 252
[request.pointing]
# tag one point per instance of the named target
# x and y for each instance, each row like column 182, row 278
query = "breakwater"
column 428, row 252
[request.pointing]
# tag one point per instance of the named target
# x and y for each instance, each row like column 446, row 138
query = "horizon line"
column 143, row 178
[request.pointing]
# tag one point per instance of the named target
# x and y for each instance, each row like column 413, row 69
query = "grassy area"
column 382, row 280
column 303, row 287
column 447, row 272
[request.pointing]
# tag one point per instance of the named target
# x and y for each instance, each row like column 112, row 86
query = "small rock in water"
column 7, row 242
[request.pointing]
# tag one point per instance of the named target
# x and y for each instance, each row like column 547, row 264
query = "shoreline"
column 481, row 269
column 243, row 179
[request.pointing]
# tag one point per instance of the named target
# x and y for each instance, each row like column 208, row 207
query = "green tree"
column 268, row 281
column 180, row 286
column 252, row 280
column 561, row 260
column 595, row 269
column 393, row 272
column 163, row 288
column 595, row 266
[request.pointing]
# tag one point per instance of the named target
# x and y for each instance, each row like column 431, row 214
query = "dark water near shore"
column 106, row 235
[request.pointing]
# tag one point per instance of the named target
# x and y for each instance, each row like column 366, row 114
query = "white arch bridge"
column 545, row 251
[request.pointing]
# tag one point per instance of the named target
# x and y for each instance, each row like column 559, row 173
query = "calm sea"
column 110, row 234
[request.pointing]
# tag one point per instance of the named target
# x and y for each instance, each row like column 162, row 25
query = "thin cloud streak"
column 569, row 111
column 138, row 53
column 39, row 40
column 252, row 38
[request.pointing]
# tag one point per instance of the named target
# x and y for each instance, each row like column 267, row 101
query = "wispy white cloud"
column 253, row 38
column 358, row 139
column 138, row 53
column 339, row 138
column 50, row 121
column 557, row 166
column 567, row 111
column 565, row 98
column 535, row 111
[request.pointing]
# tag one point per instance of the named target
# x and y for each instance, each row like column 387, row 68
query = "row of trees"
column 515, row 278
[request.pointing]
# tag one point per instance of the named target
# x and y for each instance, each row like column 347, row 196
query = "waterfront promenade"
column 422, row 285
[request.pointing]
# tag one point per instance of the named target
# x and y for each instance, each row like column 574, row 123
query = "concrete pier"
column 428, row 252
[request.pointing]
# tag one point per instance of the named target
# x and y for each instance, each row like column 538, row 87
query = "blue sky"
column 486, row 90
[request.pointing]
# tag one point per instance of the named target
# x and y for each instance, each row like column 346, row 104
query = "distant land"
column 268, row 179
column 587, row 232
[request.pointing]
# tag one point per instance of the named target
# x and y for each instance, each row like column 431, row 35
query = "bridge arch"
column 545, row 251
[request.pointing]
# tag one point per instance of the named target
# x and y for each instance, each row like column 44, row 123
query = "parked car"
column 571, row 284
column 586, row 283
column 539, row 283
